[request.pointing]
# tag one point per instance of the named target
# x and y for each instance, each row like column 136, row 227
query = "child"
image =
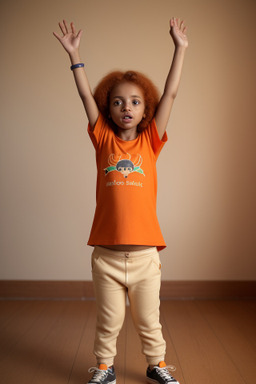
column 127, row 124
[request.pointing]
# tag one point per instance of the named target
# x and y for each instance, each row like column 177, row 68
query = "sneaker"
column 103, row 375
column 160, row 374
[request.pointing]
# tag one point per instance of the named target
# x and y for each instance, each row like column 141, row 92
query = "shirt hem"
column 159, row 247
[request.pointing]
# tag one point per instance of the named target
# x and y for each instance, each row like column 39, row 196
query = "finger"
column 184, row 30
column 73, row 29
column 66, row 26
column 79, row 33
column 62, row 28
column 57, row 36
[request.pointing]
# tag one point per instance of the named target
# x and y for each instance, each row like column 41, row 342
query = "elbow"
column 170, row 96
column 172, row 93
column 84, row 97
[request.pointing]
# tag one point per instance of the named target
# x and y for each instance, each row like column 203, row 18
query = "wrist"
column 75, row 66
column 75, row 57
column 181, row 48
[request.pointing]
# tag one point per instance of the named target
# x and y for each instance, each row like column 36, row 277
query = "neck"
column 127, row 135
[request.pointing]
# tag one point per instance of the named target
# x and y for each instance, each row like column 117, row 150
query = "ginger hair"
column 110, row 81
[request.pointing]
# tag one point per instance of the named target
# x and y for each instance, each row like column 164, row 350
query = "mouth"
column 127, row 118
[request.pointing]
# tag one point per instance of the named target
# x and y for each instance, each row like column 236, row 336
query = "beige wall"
column 206, row 200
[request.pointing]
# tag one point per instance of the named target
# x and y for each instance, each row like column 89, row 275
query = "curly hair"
column 110, row 81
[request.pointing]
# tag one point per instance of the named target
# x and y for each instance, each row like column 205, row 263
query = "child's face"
column 127, row 105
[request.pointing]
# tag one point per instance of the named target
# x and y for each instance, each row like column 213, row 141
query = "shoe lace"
column 99, row 374
column 165, row 371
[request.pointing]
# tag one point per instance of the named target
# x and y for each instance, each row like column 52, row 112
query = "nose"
column 126, row 107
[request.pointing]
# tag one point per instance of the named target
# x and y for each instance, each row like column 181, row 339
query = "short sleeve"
column 156, row 143
column 96, row 134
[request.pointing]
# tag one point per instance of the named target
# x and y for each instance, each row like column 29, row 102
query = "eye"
column 117, row 103
column 136, row 102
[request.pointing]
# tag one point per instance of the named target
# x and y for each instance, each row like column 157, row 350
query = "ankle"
column 103, row 366
column 161, row 364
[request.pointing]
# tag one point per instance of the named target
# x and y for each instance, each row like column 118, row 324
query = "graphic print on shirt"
column 124, row 164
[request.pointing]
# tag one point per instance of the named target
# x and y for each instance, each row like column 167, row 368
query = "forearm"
column 174, row 75
column 80, row 77
column 170, row 90
column 70, row 40
column 84, row 89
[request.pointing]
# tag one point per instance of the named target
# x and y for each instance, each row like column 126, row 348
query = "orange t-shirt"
column 126, row 187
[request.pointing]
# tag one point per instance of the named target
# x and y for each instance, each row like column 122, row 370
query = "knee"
column 111, row 321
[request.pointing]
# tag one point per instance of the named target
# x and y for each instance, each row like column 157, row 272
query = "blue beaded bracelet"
column 74, row 66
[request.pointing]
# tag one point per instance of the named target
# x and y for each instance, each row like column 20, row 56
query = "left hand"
column 178, row 32
column 70, row 39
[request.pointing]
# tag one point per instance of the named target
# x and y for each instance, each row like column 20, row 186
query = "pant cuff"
column 154, row 360
column 108, row 362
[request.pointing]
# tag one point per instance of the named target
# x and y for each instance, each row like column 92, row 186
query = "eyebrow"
column 121, row 97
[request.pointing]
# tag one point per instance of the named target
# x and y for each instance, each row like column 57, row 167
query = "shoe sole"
column 112, row 382
column 150, row 381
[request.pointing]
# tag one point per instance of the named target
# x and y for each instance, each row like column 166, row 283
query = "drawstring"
column 126, row 268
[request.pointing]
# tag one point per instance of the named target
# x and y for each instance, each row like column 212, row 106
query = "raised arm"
column 70, row 41
column 178, row 34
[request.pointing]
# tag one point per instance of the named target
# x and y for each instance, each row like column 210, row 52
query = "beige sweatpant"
column 137, row 274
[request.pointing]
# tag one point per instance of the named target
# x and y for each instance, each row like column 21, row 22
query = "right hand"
column 178, row 32
column 70, row 39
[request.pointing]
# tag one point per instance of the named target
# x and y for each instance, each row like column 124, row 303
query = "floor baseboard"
column 83, row 290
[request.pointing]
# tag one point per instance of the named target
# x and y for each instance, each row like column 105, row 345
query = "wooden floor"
column 210, row 342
